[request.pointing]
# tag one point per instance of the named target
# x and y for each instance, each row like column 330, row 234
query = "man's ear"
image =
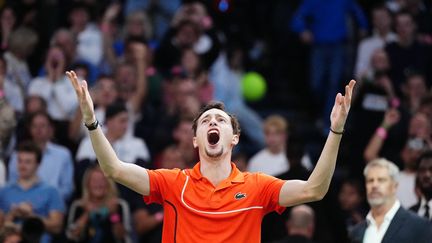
column 194, row 141
column 235, row 139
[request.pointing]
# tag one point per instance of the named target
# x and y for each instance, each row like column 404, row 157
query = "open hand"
column 341, row 108
column 84, row 98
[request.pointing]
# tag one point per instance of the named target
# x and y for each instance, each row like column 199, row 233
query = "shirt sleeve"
column 160, row 180
column 270, row 189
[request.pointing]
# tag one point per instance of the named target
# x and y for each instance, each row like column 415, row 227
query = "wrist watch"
column 92, row 126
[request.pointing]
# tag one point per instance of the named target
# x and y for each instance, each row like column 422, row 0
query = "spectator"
column 28, row 196
column 323, row 25
column 300, row 225
column 105, row 93
column 7, row 120
column 387, row 221
column 424, row 176
column 89, row 37
column 382, row 34
column 21, row 44
column 8, row 23
column 414, row 90
column 351, row 199
column 273, row 159
column 55, row 88
column 129, row 148
column 225, row 75
column 407, row 54
column 183, row 136
column 99, row 216
column 56, row 168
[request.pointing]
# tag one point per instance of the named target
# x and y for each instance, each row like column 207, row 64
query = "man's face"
column 380, row 187
column 214, row 134
column 424, row 174
column 41, row 129
column 405, row 26
column 118, row 124
column 381, row 19
column 275, row 139
column 27, row 164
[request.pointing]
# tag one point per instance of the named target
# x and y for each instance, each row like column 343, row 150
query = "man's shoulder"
column 58, row 149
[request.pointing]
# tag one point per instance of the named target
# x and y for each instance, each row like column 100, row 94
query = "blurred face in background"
column 380, row 60
column 381, row 19
column 349, row 197
column 420, row 127
column 106, row 91
column 424, row 174
column 405, row 27
column 27, row 164
column 98, row 185
column 117, row 125
column 41, row 129
column 275, row 139
column 416, row 87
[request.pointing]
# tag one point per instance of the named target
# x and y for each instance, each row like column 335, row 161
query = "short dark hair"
column 30, row 147
column 220, row 106
column 424, row 156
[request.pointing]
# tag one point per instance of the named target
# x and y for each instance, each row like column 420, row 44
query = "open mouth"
column 213, row 137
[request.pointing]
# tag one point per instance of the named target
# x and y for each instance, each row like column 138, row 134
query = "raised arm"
column 130, row 175
column 296, row 191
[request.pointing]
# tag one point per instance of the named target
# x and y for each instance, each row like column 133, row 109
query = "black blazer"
column 406, row 227
column 415, row 208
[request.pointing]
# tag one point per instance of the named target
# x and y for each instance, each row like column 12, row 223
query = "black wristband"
column 337, row 133
column 92, row 126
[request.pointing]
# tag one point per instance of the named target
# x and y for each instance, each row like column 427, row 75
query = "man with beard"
column 424, row 179
column 387, row 221
column 214, row 201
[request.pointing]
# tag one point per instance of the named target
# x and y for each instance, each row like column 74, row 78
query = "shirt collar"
column 423, row 203
column 236, row 175
column 388, row 216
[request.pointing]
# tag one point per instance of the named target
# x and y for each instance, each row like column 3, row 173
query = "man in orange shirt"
column 214, row 201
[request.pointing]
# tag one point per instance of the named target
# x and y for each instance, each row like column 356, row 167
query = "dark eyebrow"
column 202, row 118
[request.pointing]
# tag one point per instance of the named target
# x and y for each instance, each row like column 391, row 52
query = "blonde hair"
column 112, row 189
column 277, row 121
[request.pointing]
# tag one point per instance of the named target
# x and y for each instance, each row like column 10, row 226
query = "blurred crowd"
column 152, row 64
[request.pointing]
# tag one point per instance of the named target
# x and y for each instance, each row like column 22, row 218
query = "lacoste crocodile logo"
column 240, row 195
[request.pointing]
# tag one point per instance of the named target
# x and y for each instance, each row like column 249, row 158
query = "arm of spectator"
column 140, row 54
column 107, row 27
column 130, row 175
column 298, row 23
column 53, row 222
column 296, row 191
column 375, row 144
column 145, row 222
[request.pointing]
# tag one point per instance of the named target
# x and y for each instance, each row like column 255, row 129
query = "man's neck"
column 379, row 212
column 26, row 183
column 382, row 33
column 276, row 149
column 406, row 42
column 216, row 170
column 112, row 137
column 42, row 144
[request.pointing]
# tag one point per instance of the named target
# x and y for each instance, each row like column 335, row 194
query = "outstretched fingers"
column 75, row 83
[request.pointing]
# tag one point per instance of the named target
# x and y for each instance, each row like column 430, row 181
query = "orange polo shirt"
column 196, row 211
